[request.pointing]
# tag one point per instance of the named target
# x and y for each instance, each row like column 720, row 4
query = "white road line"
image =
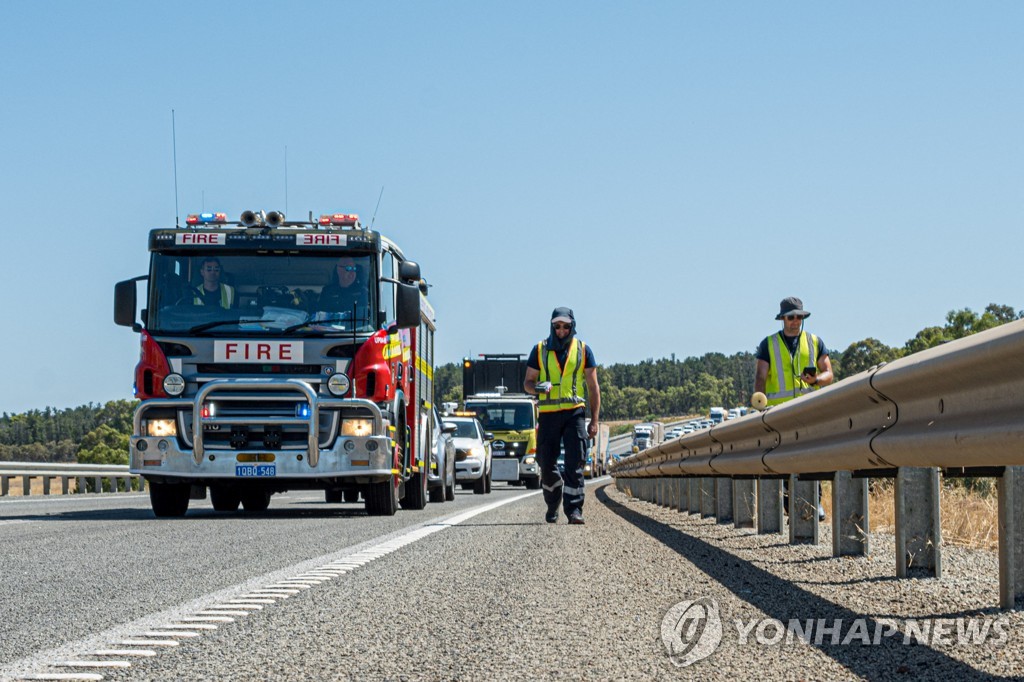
column 62, row 676
column 85, row 497
column 142, row 653
column 93, row 664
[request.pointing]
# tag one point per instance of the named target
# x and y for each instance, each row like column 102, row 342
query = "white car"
column 472, row 454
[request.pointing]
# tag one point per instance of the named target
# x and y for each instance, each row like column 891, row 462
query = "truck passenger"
column 345, row 289
column 213, row 292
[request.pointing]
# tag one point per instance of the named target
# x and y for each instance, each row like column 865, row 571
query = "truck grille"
column 271, row 437
column 501, row 448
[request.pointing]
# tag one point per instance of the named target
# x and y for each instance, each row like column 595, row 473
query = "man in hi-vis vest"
column 557, row 370
column 792, row 362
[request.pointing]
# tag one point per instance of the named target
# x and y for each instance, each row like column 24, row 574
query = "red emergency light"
column 345, row 219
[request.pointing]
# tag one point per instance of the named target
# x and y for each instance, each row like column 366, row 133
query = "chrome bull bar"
column 225, row 388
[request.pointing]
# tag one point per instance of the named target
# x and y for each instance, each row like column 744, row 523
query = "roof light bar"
column 206, row 219
column 344, row 219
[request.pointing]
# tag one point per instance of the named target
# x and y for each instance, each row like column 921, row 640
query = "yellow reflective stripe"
column 422, row 366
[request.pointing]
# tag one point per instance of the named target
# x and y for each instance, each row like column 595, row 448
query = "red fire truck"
column 280, row 355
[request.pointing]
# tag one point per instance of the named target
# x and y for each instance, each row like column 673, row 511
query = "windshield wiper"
column 210, row 325
column 310, row 323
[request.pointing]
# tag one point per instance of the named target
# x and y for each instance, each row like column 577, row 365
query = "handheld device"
column 810, row 370
column 543, row 387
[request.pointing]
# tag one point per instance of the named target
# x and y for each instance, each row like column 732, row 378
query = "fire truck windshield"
column 262, row 294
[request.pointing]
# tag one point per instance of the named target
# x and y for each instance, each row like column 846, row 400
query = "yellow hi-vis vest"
column 227, row 296
column 566, row 382
column 784, row 382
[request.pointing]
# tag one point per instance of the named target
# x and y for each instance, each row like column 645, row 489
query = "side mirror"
column 124, row 304
column 407, row 308
column 488, row 436
column 448, row 427
column 409, row 271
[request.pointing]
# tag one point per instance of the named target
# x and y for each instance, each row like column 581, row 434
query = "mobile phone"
column 810, row 370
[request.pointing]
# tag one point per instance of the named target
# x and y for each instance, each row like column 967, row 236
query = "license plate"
column 255, row 470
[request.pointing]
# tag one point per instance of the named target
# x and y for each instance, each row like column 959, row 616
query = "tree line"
column 629, row 391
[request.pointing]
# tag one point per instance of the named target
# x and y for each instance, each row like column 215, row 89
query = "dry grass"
column 969, row 519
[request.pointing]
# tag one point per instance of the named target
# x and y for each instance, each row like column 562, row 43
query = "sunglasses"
column 348, row 268
column 560, row 325
column 790, row 318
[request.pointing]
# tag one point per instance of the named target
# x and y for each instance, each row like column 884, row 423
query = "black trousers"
column 567, row 428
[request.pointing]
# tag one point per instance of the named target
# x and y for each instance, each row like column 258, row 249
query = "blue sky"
column 670, row 170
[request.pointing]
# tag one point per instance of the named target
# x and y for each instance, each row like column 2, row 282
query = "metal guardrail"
column 956, row 407
column 104, row 477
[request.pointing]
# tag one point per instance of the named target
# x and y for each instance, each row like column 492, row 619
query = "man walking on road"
column 556, row 371
column 792, row 362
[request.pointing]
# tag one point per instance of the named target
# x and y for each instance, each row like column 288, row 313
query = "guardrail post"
column 723, row 500
column 64, row 485
column 26, row 485
column 683, row 486
column 694, row 496
column 46, row 485
column 98, row 480
column 918, row 534
column 1011, row 536
column 744, row 503
column 80, row 488
column 850, row 520
column 707, row 498
column 803, row 511
column 769, row 505
column 5, row 485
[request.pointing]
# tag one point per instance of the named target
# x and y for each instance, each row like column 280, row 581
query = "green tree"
column 926, row 338
column 862, row 355
column 104, row 445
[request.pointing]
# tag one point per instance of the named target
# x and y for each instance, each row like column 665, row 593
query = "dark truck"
column 492, row 389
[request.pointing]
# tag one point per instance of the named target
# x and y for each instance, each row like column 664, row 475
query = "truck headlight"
column 530, row 460
column 174, row 384
column 161, row 428
column 356, row 427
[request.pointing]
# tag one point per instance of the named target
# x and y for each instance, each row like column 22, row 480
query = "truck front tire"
column 382, row 498
column 169, row 499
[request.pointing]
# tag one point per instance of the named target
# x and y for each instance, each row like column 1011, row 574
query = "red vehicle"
column 280, row 355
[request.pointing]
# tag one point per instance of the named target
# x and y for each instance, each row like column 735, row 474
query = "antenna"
column 378, row 206
column 286, row 179
column 174, row 145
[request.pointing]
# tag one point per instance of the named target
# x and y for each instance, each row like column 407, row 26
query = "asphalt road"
column 479, row 588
